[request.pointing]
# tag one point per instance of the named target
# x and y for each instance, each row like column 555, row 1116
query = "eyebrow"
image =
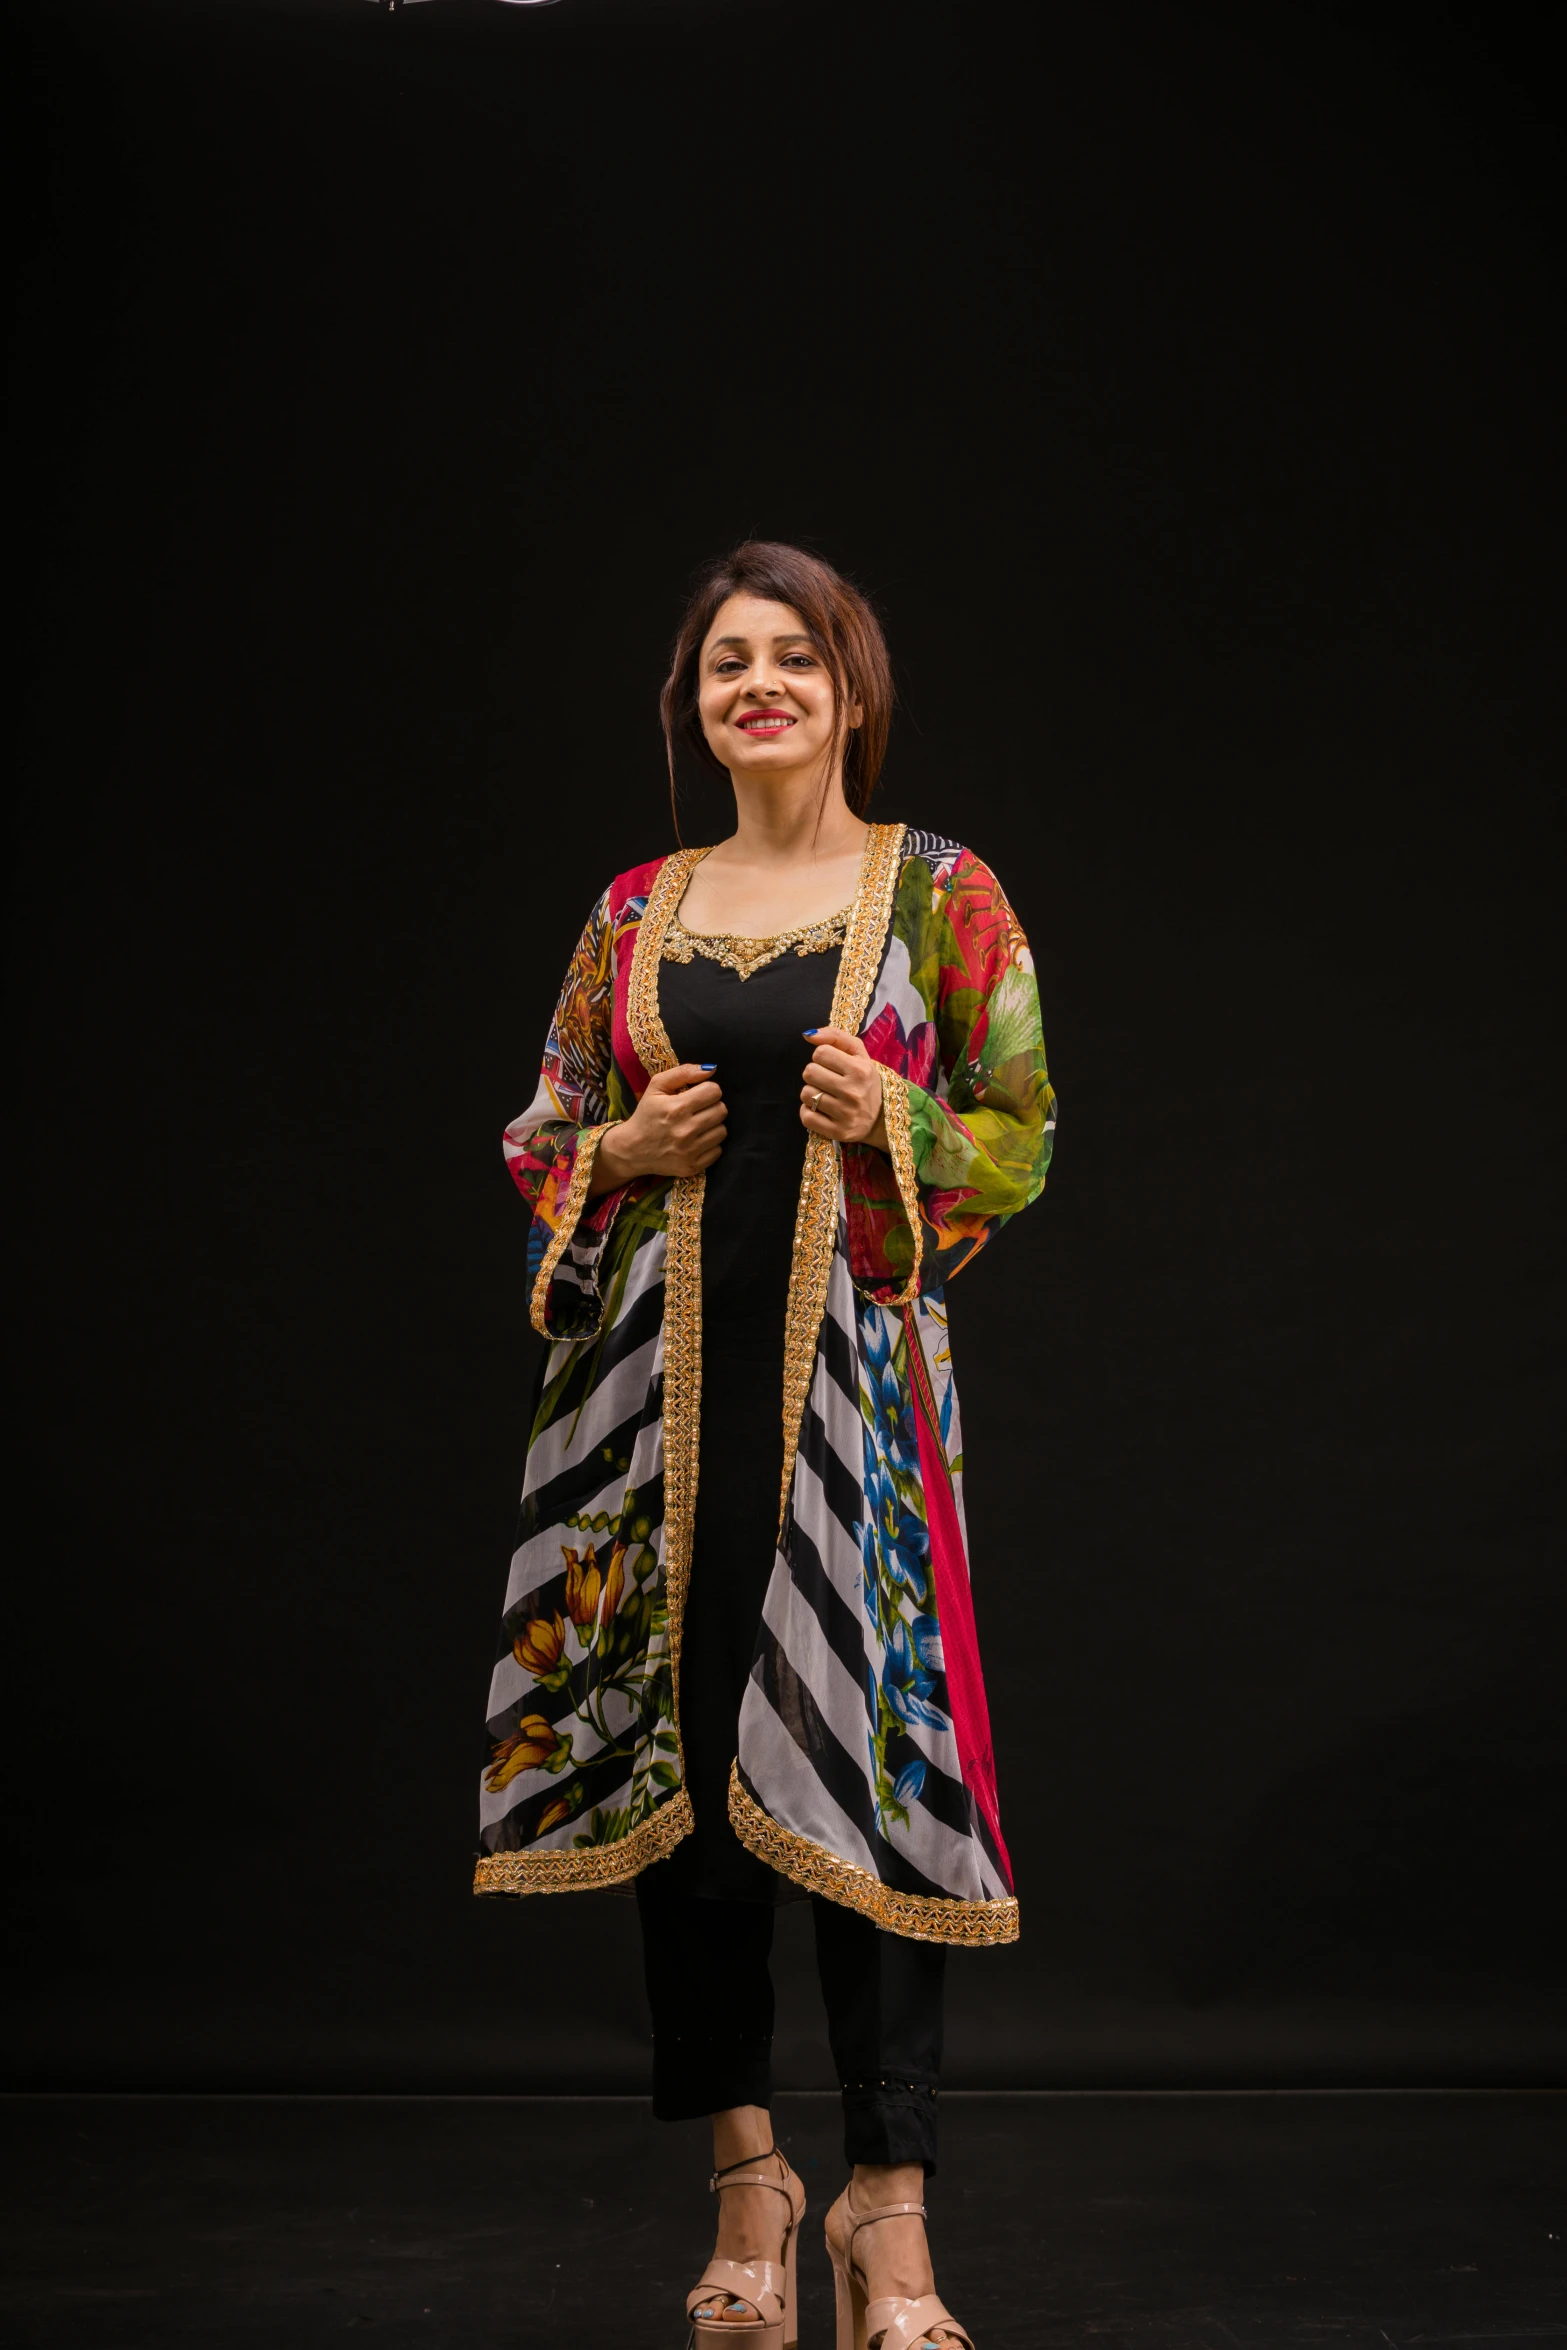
column 793, row 636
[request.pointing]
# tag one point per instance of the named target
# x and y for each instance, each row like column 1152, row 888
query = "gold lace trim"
column 682, row 1406
column 816, row 1218
column 649, row 1037
column 918, row 1917
column 746, row 955
column 682, row 1270
column 565, row 1230
column 900, row 1146
column 594, row 1864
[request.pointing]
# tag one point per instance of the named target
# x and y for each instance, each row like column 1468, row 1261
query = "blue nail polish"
column 707, row 1067
column 808, row 1032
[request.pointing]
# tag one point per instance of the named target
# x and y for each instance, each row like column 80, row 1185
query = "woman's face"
column 766, row 695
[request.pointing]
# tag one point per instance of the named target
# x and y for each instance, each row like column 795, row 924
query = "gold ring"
column 816, row 1106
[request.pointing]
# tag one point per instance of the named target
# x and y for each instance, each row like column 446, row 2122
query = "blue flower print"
column 905, row 1684
column 893, row 1539
column 925, row 1633
column 903, row 1645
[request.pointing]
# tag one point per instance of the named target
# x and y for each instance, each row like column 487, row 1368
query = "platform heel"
column 899, row 2322
column 766, row 2287
column 848, row 2299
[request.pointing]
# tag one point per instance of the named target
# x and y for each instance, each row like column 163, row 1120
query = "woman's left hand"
column 841, row 1095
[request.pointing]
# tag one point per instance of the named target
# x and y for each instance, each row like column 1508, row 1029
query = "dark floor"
column 1195, row 2223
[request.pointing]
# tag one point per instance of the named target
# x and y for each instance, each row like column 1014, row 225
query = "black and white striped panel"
column 603, row 1437
column 933, row 847
column 808, row 1714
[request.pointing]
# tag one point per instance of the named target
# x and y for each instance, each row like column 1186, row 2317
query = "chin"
column 796, row 754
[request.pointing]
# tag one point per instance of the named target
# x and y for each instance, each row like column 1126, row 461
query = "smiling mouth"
column 765, row 722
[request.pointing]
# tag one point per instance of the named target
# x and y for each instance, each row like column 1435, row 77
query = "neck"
column 790, row 821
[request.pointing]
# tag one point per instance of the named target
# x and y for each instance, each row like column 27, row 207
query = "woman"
column 793, row 1083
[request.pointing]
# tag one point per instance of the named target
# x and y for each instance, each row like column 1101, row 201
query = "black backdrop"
column 1186, row 388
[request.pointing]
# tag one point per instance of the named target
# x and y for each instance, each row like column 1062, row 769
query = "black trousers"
column 711, row 1995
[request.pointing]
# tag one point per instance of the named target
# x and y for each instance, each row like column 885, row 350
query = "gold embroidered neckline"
column 746, row 955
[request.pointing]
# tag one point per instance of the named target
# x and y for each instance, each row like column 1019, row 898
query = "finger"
column 697, row 1121
column 693, row 1157
column 837, row 1101
column 842, row 1040
column 841, row 1125
column 706, row 1138
column 699, row 1097
column 821, row 1071
column 837, row 1063
column 848, row 1093
column 689, row 1073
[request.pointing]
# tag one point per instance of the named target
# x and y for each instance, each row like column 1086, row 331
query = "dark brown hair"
column 841, row 625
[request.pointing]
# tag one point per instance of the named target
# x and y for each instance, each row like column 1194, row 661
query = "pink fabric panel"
column 955, row 1610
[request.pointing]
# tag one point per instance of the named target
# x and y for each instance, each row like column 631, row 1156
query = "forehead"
column 754, row 620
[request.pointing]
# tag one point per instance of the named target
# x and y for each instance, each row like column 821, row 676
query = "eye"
column 727, row 665
column 805, row 660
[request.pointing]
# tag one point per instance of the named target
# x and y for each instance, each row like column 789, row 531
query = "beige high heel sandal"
column 767, row 2286
column 900, row 2322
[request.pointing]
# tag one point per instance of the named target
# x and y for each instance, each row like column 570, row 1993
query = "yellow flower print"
column 538, row 1648
column 534, row 1743
column 583, row 1582
column 592, row 1594
column 614, row 1580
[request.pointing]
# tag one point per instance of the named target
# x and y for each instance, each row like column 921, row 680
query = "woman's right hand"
column 677, row 1128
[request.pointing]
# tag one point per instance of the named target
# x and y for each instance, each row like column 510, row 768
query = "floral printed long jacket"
column 864, row 1769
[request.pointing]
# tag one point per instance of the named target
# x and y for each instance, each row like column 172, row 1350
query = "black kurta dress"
column 753, row 1030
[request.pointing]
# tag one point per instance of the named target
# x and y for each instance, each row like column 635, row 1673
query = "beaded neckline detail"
column 747, row 955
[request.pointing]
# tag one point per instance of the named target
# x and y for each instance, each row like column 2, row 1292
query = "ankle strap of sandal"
column 731, row 2175
column 866, row 2219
